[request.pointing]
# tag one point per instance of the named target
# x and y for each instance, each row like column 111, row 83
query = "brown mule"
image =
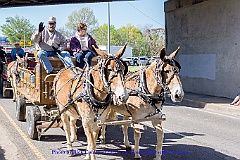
column 12, row 73
column 147, row 84
column 90, row 92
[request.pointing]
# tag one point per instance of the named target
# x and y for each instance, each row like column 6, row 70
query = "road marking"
column 179, row 134
column 25, row 138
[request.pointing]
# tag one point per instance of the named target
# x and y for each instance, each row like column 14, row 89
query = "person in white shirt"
column 50, row 43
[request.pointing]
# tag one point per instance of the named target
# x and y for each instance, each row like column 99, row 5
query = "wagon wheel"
column 7, row 94
column 1, row 84
column 20, row 108
column 33, row 115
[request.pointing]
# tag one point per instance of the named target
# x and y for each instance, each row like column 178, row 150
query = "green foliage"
column 15, row 28
column 120, row 36
column 101, row 35
column 155, row 39
column 84, row 15
column 65, row 32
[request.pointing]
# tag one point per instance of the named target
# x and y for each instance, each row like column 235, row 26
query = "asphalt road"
column 189, row 134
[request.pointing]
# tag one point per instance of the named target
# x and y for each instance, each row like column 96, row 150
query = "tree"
column 156, row 40
column 16, row 27
column 65, row 32
column 130, row 34
column 84, row 15
column 101, row 35
column 135, row 39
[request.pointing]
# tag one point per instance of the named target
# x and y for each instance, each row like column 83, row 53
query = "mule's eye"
column 166, row 72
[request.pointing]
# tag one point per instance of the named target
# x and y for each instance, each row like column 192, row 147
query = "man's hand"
column 41, row 27
column 56, row 50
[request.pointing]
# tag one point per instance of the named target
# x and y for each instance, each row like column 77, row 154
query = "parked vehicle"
column 151, row 59
column 142, row 61
column 130, row 60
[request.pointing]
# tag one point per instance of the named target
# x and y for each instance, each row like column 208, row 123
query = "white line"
column 25, row 138
column 179, row 134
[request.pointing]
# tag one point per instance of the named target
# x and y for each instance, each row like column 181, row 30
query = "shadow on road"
column 53, row 138
column 148, row 142
column 2, row 154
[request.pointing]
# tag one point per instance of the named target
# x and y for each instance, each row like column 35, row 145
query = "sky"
column 139, row 13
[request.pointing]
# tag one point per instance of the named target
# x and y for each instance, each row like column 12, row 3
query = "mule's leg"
column 96, row 130
column 137, row 136
column 13, row 87
column 14, row 90
column 112, row 116
column 125, row 135
column 87, row 122
column 66, row 126
column 73, row 129
column 103, row 134
column 158, row 127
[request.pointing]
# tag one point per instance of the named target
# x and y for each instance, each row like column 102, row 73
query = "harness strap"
column 63, row 110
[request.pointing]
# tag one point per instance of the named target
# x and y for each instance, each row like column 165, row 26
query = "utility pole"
column 109, row 28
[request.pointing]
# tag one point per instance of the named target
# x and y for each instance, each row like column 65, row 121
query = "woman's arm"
column 75, row 45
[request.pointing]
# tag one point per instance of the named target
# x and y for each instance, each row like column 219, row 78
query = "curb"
column 222, row 108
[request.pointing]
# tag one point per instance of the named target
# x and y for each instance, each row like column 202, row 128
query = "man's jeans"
column 80, row 56
column 43, row 57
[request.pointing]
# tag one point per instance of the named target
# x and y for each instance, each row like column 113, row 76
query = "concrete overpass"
column 208, row 32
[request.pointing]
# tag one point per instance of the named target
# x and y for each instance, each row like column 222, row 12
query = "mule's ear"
column 121, row 51
column 173, row 54
column 163, row 53
column 99, row 52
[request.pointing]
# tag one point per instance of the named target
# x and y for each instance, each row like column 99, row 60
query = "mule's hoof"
column 102, row 141
column 87, row 158
column 138, row 158
column 163, row 117
column 73, row 140
column 128, row 149
column 71, row 153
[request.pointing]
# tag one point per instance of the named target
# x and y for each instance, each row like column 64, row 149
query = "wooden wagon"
column 33, row 100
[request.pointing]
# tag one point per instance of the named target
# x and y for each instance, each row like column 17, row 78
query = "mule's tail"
column 112, row 115
column 51, row 94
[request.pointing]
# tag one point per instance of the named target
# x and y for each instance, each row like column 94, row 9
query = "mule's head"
column 170, row 75
column 113, row 75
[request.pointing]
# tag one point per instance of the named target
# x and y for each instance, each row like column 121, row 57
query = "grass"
column 133, row 68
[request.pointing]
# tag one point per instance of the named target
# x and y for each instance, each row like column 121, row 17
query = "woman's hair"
column 80, row 26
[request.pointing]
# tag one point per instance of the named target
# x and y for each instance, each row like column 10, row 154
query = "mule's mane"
column 172, row 62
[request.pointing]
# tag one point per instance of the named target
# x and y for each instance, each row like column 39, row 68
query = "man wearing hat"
column 17, row 51
column 50, row 43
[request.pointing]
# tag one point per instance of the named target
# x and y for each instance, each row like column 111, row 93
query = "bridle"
column 160, row 69
column 142, row 90
column 103, row 70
